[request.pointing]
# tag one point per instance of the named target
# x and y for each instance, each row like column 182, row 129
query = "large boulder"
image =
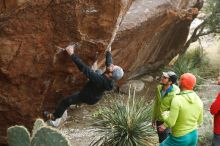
column 35, row 76
column 132, row 85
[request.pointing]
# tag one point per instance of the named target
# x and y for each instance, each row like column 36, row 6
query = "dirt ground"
column 78, row 127
column 208, row 92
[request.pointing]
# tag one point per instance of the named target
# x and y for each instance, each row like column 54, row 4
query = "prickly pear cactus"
column 42, row 135
column 18, row 136
column 47, row 136
column 39, row 123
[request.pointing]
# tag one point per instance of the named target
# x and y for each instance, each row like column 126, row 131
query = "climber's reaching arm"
column 108, row 59
column 93, row 76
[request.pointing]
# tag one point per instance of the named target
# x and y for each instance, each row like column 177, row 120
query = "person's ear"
column 170, row 82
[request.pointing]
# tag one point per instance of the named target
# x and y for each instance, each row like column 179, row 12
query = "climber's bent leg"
column 73, row 99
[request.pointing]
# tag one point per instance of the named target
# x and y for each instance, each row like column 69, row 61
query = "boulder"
column 35, row 76
column 147, row 78
column 136, row 85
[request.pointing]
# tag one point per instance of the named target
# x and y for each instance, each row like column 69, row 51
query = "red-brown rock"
column 34, row 76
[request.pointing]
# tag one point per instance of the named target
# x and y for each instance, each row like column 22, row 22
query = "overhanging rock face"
column 35, row 76
column 151, row 34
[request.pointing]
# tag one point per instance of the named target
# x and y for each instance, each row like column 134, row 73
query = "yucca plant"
column 124, row 123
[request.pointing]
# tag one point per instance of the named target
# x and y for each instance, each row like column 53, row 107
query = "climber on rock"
column 93, row 90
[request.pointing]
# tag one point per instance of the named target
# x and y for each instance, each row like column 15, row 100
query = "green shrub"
column 124, row 123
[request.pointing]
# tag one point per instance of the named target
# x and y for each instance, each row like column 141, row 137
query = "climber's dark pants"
column 77, row 98
column 70, row 100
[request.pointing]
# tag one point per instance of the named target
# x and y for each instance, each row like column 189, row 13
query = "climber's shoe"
column 48, row 115
column 54, row 123
column 59, row 121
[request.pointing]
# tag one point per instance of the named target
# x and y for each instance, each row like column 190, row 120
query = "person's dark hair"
column 173, row 79
column 171, row 75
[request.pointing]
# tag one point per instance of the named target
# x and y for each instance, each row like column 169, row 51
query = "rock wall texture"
column 35, row 76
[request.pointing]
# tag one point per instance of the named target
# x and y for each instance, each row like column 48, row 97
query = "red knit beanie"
column 187, row 81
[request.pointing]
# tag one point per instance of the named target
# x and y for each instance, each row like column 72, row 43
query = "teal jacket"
column 186, row 113
column 162, row 104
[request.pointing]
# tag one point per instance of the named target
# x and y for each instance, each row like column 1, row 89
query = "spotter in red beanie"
column 187, row 81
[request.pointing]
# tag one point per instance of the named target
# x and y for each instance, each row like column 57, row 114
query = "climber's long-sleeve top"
column 98, row 83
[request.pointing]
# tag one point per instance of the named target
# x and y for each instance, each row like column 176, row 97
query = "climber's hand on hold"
column 70, row 49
